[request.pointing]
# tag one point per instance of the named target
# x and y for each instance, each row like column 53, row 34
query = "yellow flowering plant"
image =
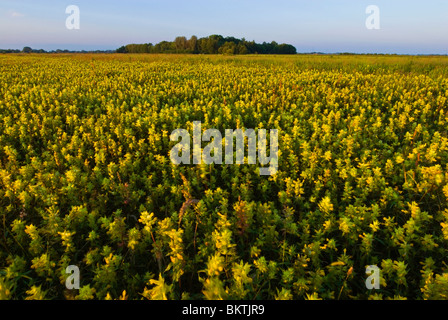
column 86, row 177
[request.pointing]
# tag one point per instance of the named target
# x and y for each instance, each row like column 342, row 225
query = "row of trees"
column 31, row 50
column 210, row 45
column 24, row 50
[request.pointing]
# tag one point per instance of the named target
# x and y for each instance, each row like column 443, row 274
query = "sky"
column 330, row 26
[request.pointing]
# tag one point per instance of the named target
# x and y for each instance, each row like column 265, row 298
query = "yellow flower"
column 325, row 205
column 445, row 191
column 375, row 225
column 32, row 231
column 444, row 230
column 327, row 225
column 159, row 291
column 399, row 159
column 148, row 220
column 124, row 296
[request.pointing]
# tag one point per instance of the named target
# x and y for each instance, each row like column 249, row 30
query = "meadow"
column 86, row 178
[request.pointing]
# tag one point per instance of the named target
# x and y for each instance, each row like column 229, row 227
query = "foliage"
column 210, row 45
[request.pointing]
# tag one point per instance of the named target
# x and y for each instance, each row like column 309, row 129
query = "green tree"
column 242, row 49
column 192, row 44
column 122, row 49
column 209, row 45
column 27, row 50
column 212, row 44
column 228, row 48
column 286, row 49
column 181, row 44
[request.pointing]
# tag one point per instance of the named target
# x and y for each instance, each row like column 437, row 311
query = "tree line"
column 214, row 44
column 30, row 50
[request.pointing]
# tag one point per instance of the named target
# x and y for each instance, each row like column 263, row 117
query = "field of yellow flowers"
column 86, row 178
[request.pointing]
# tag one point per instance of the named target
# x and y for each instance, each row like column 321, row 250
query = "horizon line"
column 110, row 51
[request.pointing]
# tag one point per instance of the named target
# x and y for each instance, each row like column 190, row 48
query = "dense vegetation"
column 31, row 50
column 86, row 178
column 210, row 45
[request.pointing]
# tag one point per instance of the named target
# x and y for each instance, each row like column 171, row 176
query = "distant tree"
column 181, row 44
column 209, row 45
column 9, row 51
column 251, row 47
column 27, row 50
column 165, row 47
column 201, row 45
column 232, row 39
column 136, row 48
column 242, row 49
column 122, row 49
column 192, row 44
column 286, row 49
column 131, row 48
column 213, row 43
column 274, row 47
column 228, row 48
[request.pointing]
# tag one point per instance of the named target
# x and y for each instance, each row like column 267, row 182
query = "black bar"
column 229, row 309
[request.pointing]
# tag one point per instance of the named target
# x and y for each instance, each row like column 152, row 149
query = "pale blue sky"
column 407, row 26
